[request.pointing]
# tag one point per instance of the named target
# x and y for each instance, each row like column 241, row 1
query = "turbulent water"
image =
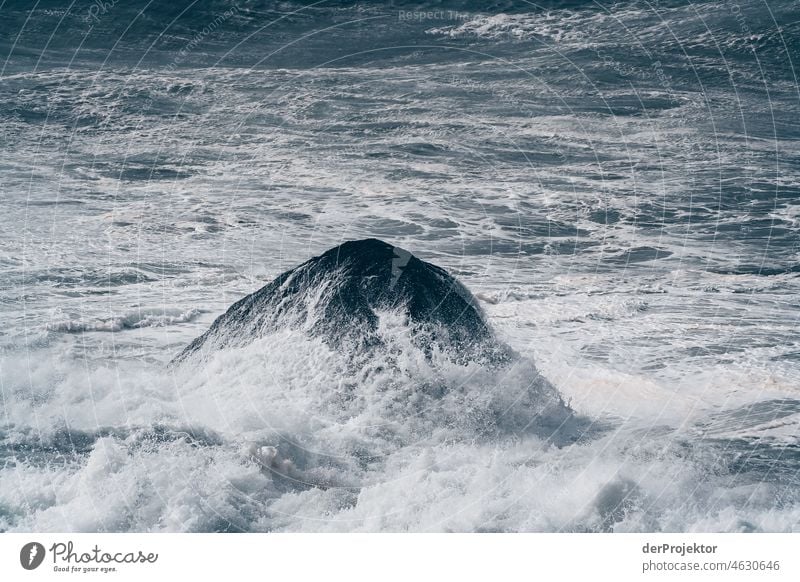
column 617, row 183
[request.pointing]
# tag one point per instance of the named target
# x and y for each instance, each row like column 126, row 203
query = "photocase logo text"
column 65, row 552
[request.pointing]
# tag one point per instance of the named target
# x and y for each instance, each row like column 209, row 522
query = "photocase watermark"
column 421, row 15
column 66, row 558
column 190, row 46
column 654, row 73
column 206, row 30
column 399, row 261
column 99, row 8
column 31, row 555
column 736, row 12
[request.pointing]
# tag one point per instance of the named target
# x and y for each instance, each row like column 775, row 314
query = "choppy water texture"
column 618, row 184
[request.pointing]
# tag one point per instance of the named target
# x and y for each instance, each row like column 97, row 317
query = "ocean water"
column 618, row 183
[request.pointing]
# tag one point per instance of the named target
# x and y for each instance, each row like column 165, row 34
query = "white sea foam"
column 285, row 435
column 558, row 26
column 134, row 320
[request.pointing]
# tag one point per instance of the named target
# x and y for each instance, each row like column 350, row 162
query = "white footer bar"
column 388, row 557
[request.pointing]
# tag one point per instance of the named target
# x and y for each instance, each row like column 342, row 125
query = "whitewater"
column 616, row 184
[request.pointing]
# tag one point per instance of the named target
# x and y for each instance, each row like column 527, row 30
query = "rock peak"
column 340, row 294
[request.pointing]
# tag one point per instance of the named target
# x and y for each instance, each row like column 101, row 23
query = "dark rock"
column 339, row 294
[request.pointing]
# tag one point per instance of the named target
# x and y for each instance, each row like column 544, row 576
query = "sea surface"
column 618, row 183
